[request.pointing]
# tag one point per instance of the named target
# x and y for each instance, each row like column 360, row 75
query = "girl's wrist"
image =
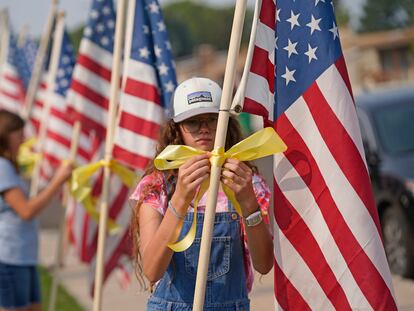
column 179, row 204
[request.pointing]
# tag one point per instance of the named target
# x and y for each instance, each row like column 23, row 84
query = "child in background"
column 164, row 201
column 19, row 281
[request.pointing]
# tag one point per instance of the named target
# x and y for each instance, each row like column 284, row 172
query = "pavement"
column 74, row 277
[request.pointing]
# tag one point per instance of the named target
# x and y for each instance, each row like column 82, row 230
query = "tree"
column 385, row 14
column 342, row 14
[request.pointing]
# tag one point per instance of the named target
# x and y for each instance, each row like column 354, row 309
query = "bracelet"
column 174, row 211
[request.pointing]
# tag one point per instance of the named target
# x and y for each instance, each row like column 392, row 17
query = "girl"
column 165, row 201
column 19, row 284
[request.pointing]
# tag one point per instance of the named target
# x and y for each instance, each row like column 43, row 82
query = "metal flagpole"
column 114, row 97
column 219, row 142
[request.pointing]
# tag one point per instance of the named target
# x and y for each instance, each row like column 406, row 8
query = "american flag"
column 60, row 126
column 150, row 82
column 14, row 77
column 327, row 238
column 87, row 100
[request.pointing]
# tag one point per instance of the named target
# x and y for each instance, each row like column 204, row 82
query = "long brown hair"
column 169, row 135
column 9, row 122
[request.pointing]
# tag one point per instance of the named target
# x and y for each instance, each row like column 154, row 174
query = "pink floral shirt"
column 158, row 200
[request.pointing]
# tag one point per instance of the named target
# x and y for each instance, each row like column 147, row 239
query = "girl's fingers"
column 199, row 172
column 194, row 159
column 198, row 181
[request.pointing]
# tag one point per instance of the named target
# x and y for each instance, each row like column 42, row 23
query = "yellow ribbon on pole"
column 82, row 191
column 258, row 145
column 27, row 158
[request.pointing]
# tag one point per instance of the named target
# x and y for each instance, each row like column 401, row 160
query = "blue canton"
column 307, row 43
column 150, row 45
column 17, row 59
column 66, row 63
column 30, row 50
column 100, row 28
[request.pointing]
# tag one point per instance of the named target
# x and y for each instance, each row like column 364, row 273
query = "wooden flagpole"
column 238, row 100
column 114, row 97
column 51, row 81
column 219, row 142
column 62, row 221
column 38, row 65
column 4, row 43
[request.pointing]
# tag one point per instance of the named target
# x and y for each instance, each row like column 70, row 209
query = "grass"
column 64, row 301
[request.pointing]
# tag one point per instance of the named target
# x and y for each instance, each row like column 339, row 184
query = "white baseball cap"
column 195, row 96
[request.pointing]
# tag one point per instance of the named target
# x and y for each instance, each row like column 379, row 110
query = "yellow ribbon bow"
column 82, row 191
column 258, row 145
column 26, row 158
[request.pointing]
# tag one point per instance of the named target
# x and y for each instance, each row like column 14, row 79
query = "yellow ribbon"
column 26, row 158
column 258, row 145
column 82, row 191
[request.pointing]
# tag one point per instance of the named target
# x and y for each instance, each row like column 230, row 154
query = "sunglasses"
column 194, row 125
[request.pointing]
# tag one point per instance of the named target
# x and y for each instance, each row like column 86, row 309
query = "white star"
column 289, row 76
column 311, row 53
column 144, row 52
column 163, row 69
column 293, row 20
column 64, row 83
column 88, row 31
column 169, row 87
column 69, row 70
column 278, row 15
column 106, row 10
column 314, row 24
column 94, row 14
column 61, row 73
column 334, row 30
column 110, row 23
column 154, row 8
column 157, row 51
column 104, row 41
column 145, row 29
column 100, row 27
column 161, row 26
column 317, row 1
column 65, row 59
column 291, row 48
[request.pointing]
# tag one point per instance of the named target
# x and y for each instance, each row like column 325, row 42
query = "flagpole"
column 238, row 100
column 114, row 97
column 220, row 140
column 62, row 221
column 4, row 37
column 51, row 80
column 38, row 65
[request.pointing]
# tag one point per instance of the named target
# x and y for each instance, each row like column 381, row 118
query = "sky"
column 34, row 12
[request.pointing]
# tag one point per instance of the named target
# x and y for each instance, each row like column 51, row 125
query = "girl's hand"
column 63, row 172
column 238, row 176
column 190, row 175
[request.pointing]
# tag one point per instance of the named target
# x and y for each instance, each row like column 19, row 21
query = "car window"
column 395, row 126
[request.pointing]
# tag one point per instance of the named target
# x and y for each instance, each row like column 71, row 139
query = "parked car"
column 387, row 126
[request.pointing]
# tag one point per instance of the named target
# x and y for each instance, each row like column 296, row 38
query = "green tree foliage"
column 342, row 14
column 190, row 24
column 385, row 14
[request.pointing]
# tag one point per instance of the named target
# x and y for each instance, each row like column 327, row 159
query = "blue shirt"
column 18, row 237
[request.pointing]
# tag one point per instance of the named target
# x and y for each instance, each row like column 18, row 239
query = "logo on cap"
column 197, row 97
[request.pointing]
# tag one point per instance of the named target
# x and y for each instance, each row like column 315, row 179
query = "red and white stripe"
column 259, row 96
column 327, row 239
column 12, row 91
column 140, row 118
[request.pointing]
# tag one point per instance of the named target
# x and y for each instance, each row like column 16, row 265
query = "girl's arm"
column 156, row 231
column 29, row 208
column 238, row 176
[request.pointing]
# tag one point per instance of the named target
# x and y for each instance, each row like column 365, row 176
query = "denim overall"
column 226, row 280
